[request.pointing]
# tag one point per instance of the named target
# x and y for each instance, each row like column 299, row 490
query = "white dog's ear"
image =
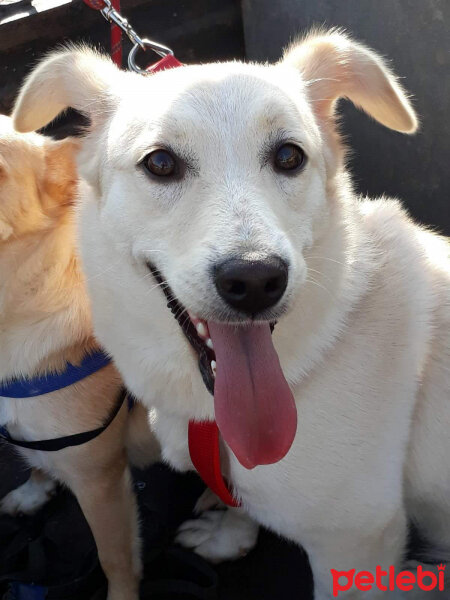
column 76, row 77
column 333, row 67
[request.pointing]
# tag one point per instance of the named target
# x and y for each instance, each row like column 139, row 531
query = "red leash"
column 167, row 62
column 110, row 10
column 116, row 38
column 116, row 32
column 203, row 436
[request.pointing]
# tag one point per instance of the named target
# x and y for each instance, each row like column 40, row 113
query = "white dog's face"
column 210, row 168
column 209, row 184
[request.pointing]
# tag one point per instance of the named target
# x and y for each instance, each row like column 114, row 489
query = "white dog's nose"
column 251, row 286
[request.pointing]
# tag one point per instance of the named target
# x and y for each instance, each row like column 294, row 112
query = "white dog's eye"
column 289, row 157
column 160, row 162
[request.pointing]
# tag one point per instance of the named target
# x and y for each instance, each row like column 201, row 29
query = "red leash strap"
column 110, row 10
column 204, row 449
column 167, row 62
column 116, row 33
column 95, row 4
column 116, row 38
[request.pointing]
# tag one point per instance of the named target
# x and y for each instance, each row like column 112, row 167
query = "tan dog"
column 45, row 322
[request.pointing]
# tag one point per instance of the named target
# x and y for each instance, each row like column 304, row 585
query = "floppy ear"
column 60, row 176
column 5, row 228
column 76, row 77
column 333, row 67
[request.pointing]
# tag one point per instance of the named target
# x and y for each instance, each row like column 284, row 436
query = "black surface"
column 274, row 569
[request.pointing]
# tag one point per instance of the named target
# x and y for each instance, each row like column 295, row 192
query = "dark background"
column 412, row 34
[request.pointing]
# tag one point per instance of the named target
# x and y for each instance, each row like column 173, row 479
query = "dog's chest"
column 8, row 411
column 172, row 433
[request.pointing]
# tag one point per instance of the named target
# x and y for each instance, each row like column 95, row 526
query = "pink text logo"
column 387, row 580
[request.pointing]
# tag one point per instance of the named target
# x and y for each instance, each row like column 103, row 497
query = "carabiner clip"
column 145, row 45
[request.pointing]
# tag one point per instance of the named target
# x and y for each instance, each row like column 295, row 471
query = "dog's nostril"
column 251, row 285
column 272, row 286
column 237, row 288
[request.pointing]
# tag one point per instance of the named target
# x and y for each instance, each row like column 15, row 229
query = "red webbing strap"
column 116, row 38
column 167, row 62
column 95, row 4
column 204, row 450
column 116, row 33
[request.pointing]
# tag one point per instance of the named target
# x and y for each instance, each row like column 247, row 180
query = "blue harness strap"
column 28, row 388
column 38, row 386
column 26, row 591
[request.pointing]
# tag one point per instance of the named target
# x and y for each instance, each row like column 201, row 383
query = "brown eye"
column 160, row 163
column 289, row 157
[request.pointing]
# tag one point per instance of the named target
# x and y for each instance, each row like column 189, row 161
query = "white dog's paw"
column 29, row 497
column 219, row 535
column 207, row 501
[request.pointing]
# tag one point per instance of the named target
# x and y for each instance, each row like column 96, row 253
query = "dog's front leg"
column 349, row 564
column 220, row 534
column 104, row 492
column 30, row 496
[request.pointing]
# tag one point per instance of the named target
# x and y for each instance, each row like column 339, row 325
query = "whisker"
column 314, row 282
column 100, row 273
column 161, row 285
column 319, row 273
column 186, row 319
column 326, row 258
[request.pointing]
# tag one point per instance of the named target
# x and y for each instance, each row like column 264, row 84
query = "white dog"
column 227, row 183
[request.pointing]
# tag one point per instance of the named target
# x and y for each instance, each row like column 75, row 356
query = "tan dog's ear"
column 78, row 78
column 5, row 228
column 333, row 67
column 60, row 175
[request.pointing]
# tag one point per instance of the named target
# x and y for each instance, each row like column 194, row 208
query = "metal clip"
column 112, row 16
column 147, row 44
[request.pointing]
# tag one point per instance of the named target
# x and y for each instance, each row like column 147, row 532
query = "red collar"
column 204, row 448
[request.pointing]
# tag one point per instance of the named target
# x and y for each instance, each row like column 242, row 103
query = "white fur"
column 29, row 497
column 219, row 535
column 364, row 340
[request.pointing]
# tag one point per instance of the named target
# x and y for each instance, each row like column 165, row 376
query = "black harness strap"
column 67, row 441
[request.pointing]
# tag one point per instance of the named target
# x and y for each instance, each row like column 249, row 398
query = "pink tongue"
column 254, row 407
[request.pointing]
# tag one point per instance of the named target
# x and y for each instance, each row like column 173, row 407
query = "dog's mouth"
column 254, row 406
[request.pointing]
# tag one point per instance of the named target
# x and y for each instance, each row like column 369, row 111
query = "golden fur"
column 44, row 322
